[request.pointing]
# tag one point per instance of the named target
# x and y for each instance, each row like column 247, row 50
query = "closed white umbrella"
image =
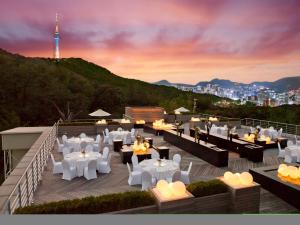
column 99, row 113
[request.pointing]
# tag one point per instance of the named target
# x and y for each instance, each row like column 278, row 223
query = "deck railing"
column 22, row 194
column 286, row 127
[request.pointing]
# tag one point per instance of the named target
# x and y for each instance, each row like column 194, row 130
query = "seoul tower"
column 56, row 52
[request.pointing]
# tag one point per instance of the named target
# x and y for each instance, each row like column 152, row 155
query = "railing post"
column 27, row 188
column 37, row 170
column 32, row 177
column 20, row 195
column 8, row 207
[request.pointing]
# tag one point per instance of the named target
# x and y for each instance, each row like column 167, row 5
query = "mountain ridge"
column 282, row 84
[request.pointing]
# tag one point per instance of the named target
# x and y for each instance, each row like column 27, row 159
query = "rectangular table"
column 206, row 151
column 126, row 153
column 254, row 153
column 163, row 151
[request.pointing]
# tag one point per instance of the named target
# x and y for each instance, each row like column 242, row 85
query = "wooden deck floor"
column 53, row 188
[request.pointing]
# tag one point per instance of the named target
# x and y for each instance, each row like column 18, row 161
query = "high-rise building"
column 56, row 52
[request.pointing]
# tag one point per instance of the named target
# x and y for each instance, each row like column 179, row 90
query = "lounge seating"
column 57, row 166
column 135, row 177
column 69, row 172
column 90, row 170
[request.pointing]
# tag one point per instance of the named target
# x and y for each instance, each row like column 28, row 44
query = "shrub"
column 92, row 205
column 205, row 188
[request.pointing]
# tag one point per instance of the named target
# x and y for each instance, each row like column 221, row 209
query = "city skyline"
column 180, row 41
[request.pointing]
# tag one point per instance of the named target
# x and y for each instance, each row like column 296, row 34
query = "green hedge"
column 92, row 205
column 205, row 188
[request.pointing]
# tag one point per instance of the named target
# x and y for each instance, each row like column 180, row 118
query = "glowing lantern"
column 282, row 166
column 161, row 184
column 177, row 188
column 246, row 178
column 228, row 175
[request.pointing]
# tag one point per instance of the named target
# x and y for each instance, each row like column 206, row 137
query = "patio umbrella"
column 99, row 113
column 181, row 110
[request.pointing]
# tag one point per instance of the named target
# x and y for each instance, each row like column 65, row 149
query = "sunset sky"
column 178, row 40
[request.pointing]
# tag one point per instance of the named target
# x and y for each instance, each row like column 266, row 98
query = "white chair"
column 132, row 132
column 104, row 165
column 135, row 163
column 147, row 181
column 177, row 159
column 90, row 170
column 89, row 148
column 185, row 175
column 110, row 138
column 267, row 133
column 119, row 129
column 82, row 135
column 59, row 145
column 290, row 156
column 97, row 143
column 106, row 131
column 64, row 139
column 154, row 154
column 290, row 143
column 297, row 142
column 219, row 131
column 57, row 166
column 105, row 153
column 83, row 144
column 66, row 150
column 69, row 172
column 135, row 177
column 176, row 176
column 279, row 132
column 281, row 152
column 105, row 138
column 127, row 139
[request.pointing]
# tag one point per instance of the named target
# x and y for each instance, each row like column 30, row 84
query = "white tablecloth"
column 79, row 161
column 118, row 134
column 74, row 143
column 163, row 171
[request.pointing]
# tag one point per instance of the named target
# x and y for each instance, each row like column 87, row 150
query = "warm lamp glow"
column 140, row 122
column 176, row 189
column 244, row 179
column 195, row 119
column 125, row 121
column 103, row 121
column 161, row 125
column 289, row 173
column 213, row 119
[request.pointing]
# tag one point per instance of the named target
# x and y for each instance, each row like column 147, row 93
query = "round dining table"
column 160, row 170
column 118, row 134
column 80, row 161
column 74, row 143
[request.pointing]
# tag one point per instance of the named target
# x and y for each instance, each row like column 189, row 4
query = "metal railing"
column 22, row 194
column 286, row 127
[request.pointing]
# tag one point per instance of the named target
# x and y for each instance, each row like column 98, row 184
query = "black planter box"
column 268, row 179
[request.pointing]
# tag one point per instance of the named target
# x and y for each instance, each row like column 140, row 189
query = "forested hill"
column 33, row 90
